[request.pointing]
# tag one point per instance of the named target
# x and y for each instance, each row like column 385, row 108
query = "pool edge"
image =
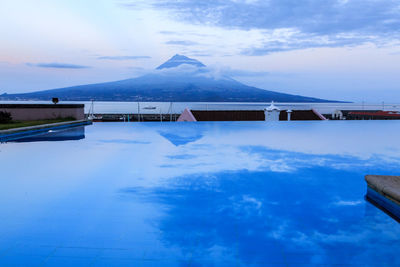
column 383, row 203
column 13, row 134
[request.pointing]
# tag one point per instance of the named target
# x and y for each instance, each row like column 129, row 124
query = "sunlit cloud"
column 57, row 65
column 181, row 42
column 311, row 24
column 123, row 57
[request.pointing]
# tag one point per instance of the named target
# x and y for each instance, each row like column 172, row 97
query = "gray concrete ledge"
column 387, row 186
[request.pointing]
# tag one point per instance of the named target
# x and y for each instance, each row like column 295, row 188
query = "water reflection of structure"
column 75, row 133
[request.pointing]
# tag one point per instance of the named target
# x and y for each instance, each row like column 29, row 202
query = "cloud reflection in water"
column 240, row 198
column 208, row 193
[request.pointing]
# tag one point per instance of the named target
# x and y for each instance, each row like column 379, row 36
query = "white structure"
column 337, row 115
column 272, row 112
column 289, row 114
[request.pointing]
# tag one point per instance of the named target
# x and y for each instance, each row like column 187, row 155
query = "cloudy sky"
column 335, row 49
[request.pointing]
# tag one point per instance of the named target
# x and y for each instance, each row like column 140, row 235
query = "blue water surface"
column 199, row 194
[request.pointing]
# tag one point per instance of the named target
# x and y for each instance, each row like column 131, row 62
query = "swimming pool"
column 199, row 194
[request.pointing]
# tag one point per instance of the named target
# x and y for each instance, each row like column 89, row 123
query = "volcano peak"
column 178, row 60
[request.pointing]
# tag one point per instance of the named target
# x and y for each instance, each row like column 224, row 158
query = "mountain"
column 180, row 79
column 178, row 60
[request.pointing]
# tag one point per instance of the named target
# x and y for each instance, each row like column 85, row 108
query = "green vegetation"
column 5, row 117
column 18, row 124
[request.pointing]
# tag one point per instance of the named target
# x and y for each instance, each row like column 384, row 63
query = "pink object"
column 186, row 116
column 319, row 114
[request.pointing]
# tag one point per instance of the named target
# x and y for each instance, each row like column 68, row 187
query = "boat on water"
column 150, row 107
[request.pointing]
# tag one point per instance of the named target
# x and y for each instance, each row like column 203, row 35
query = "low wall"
column 25, row 112
column 384, row 190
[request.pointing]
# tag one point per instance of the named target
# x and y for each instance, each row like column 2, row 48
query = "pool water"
column 199, row 194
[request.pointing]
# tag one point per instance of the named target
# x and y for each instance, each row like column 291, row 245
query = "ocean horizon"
column 116, row 107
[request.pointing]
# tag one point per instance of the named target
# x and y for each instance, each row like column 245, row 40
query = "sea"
column 109, row 107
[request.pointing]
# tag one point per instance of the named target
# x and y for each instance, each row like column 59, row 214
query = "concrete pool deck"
column 12, row 134
column 384, row 190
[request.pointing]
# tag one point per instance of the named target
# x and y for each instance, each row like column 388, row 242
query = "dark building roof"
column 300, row 115
column 376, row 113
column 252, row 115
column 370, row 115
column 228, row 115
